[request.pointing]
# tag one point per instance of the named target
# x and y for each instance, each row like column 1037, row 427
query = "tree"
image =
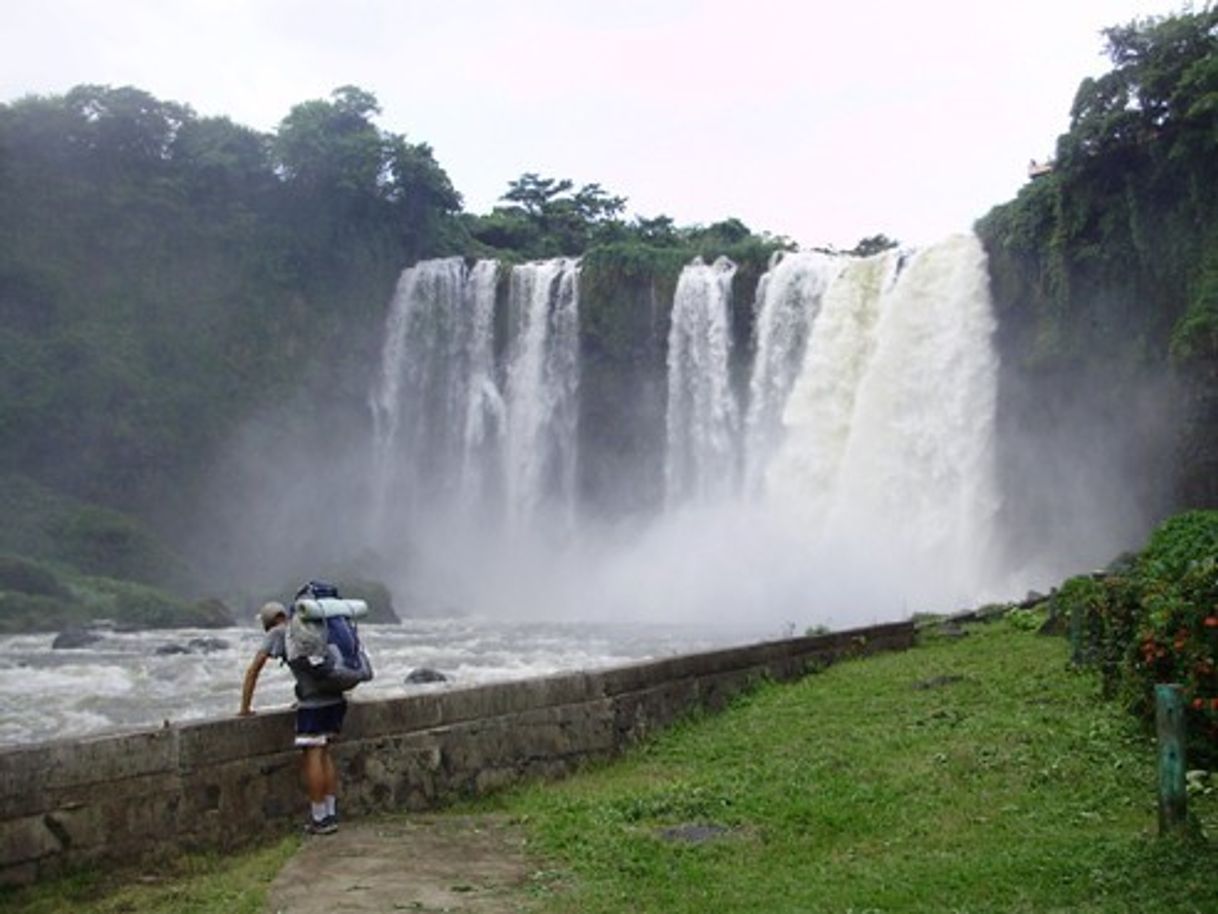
column 873, row 244
column 1164, row 83
column 218, row 158
column 340, row 163
column 333, row 146
column 548, row 217
column 535, row 194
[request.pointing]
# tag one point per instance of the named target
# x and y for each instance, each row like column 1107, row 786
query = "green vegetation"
column 200, row 884
column 47, row 526
column 42, row 597
column 1155, row 620
column 1112, row 255
column 974, row 774
column 65, row 562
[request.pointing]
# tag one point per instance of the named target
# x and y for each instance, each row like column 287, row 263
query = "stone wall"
column 221, row 783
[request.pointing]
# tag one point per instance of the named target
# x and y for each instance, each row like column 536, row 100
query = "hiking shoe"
column 326, row 826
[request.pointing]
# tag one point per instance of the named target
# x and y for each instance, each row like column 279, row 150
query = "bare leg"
column 330, row 772
column 313, row 768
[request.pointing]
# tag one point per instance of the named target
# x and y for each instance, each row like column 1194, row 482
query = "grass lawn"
column 976, row 774
column 202, row 884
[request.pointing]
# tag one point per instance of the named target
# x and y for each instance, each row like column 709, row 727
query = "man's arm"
column 251, row 680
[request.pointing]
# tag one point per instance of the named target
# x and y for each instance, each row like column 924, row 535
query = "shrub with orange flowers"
column 1156, row 621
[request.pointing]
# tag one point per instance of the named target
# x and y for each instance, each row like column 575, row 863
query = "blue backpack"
column 322, row 639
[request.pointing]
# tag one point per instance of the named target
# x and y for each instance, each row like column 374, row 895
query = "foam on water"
column 121, row 682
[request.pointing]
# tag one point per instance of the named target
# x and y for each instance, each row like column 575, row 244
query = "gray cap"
column 270, row 612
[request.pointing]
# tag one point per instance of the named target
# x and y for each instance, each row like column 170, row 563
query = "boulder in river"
column 206, row 645
column 193, row 646
column 72, row 638
column 424, row 675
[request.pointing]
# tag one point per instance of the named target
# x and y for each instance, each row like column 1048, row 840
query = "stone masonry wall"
column 221, row 783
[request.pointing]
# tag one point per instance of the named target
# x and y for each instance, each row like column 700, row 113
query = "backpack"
column 322, row 639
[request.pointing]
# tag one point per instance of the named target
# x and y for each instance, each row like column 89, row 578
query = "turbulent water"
column 122, row 682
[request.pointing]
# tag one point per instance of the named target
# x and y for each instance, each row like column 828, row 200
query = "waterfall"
column 418, row 403
column 435, row 406
column 485, row 412
column 542, row 386
column 447, row 434
column 788, row 301
column 858, row 479
column 890, row 426
column 818, row 415
column 702, row 418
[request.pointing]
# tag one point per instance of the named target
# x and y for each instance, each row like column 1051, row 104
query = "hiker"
column 319, row 718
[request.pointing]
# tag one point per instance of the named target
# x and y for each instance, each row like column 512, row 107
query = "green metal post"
column 1076, row 635
column 1169, row 725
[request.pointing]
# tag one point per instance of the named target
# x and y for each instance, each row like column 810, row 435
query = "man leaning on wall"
column 319, row 720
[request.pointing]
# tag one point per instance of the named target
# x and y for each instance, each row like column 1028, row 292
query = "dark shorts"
column 317, row 726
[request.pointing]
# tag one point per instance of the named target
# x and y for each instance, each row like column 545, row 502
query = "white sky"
column 824, row 122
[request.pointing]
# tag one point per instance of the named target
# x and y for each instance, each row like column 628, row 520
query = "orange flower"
column 1211, row 621
column 1198, row 704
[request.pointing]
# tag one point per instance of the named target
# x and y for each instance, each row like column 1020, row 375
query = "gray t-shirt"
column 308, row 694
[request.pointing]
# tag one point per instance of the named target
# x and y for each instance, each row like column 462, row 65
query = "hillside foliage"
column 1115, row 252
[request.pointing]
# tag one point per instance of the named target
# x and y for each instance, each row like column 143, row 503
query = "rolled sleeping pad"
column 328, row 607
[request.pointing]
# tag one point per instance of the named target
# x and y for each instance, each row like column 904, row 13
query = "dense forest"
column 168, row 279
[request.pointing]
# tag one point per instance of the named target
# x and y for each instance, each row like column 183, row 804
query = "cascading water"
column 859, row 479
column 450, row 437
column 788, row 301
column 485, row 415
column 542, row 385
column 818, row 414
column 702, row 420
column 889, row 448
column 420, row 404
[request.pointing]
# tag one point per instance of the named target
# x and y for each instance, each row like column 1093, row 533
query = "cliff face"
column 1107, row 412
column 626, row 298
column 1105, row 281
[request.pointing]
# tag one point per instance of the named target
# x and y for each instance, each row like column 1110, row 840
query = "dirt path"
column 456, row 864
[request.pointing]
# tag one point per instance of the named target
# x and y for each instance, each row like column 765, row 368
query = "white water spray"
column 788, row 302
column 889, row 449
column 701, row 457
column 419, row 404
column 542, row 384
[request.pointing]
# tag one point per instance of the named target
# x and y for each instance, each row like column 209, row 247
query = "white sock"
column 319, row 811
column 331, row 805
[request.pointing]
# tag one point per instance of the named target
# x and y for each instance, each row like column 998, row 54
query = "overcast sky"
column 822, row 121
